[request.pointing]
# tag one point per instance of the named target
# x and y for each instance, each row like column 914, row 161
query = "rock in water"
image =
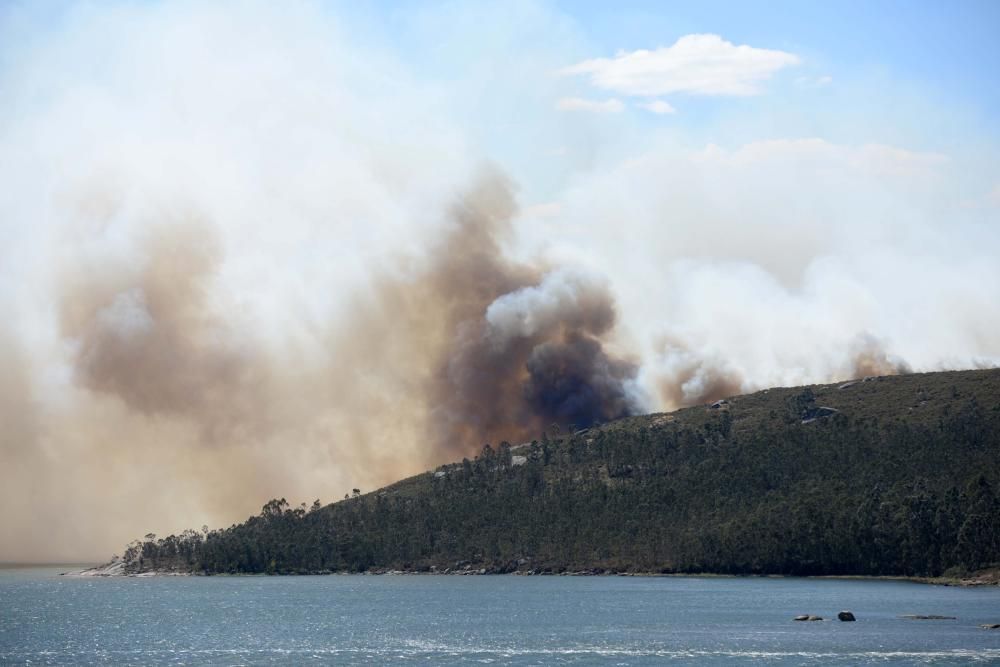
column 846, row 616
column 810, row 617
column 801, row 618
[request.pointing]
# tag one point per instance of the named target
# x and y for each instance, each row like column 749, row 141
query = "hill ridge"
column 892, row 475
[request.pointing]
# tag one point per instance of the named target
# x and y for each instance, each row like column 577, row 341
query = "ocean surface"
column 46, row 619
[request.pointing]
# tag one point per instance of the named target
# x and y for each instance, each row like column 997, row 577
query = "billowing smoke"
column 507, row 348
column 246, row 254
column 686, row 378
column 143, row 330
column 519, row 347
column 869, row 358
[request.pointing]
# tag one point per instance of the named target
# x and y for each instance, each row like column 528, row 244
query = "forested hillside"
column 887, row 476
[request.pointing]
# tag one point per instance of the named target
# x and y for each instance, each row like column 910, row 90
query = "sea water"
column 46, row 619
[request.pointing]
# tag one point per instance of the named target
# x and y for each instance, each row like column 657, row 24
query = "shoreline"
column 984, row 578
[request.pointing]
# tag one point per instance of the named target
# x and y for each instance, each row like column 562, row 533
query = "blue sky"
column 952, row 44
column 918, row 75
column 947, row 50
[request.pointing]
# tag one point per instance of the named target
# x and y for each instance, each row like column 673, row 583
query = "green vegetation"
column 900, row 477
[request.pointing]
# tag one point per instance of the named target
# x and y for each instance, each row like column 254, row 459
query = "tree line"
column 900, row 479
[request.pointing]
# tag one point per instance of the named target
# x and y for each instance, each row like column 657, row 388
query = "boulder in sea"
column 846, row 616
column 990, row 626
column 803, row 617
column 808, row 617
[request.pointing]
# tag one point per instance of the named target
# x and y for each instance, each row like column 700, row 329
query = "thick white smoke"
column 787, row 262
column 564, row 298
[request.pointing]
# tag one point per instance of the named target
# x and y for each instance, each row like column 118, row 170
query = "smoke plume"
column 518, row 346
column 685, row 378
column 869, row 359
column 144, row 332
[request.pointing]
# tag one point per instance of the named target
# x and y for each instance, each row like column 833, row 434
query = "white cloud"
column 579, row 104
column 658, row 106
column 696, row 64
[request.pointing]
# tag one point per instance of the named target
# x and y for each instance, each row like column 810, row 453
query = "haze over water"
column 46, row 619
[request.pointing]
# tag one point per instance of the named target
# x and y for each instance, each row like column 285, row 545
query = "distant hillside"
column 886, row 476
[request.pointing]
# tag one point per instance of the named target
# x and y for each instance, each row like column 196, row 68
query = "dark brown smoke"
column 511, row 348
column 574, row 381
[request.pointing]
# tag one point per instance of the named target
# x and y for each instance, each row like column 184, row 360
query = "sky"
column 253, row 250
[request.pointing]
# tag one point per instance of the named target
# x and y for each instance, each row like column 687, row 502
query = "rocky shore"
column 116, row 568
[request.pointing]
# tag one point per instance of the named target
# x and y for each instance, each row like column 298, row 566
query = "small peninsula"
column 881, row 476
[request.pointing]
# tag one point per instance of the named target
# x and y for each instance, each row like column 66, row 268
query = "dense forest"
column 885, row 476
